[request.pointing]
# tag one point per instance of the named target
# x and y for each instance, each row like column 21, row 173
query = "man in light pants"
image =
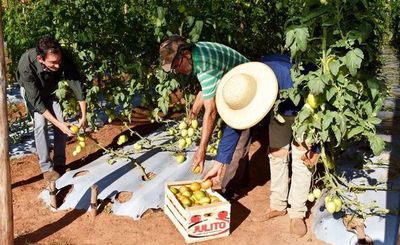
column 255, row 106
column 39, row 71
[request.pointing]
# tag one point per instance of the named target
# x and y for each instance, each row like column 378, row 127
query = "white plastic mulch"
column 124, row 176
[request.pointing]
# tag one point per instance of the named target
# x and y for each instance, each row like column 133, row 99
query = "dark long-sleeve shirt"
column 40, row 84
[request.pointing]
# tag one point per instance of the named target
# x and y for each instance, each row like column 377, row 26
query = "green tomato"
column 190, row 132
column 312, row 101
column 122, row 139
column 80, row 138
column 180, row 158
column 188, row 142
column 82, row 144
column 317, row 193
column 219, row 135
column 330, row 206
column 195, row 124
column 184, row 132
column 311, row 197
column 137, row 146
column 338, row 203
column 181, row 143
column 78, row 149
column 182, row 125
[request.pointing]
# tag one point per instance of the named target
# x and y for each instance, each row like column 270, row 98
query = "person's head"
column 176, row 55
column 49, row 53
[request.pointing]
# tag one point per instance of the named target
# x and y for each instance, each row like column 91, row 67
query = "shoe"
column 268, row 215
column 51, row 175
column 298, row 228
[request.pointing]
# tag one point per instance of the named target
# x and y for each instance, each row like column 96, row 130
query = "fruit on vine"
column 338, row 203
column 74, row 153
column 184, row 132
column 312, row 101
column 122, row 139
column 330, row 206
column 195, row 124
column 78, row 149
column 80, row 138
column 82, row 144
column 323, row 2
column 206, row 184
column 182, row 125
column 74, row 129
column 311, row 197
column 317, row 193
column 190, row 132
column 137, row 146
column 180, row 158
column 181, row 143
column 188, row 142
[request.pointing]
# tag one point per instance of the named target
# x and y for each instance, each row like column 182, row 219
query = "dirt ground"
column 35, row 223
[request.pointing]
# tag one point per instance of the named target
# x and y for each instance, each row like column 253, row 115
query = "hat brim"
column 259, row 106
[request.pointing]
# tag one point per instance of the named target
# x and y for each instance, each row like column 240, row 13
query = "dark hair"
column 47, row 44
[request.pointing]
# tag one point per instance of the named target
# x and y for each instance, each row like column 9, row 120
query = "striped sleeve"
column 209, row 81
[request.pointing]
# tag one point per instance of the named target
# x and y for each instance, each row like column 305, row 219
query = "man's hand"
column 215, row 173
column 64, row 127
column 310, row 158
column 199, row 158
column 82, row 122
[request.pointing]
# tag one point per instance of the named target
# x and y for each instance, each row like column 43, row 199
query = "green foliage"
column 116, row 42
column 395, row 21
column 343, row 39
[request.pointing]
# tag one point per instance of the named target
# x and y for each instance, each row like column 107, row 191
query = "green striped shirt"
column 210, row 62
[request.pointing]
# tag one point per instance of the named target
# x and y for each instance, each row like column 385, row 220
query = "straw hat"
column 246, row 94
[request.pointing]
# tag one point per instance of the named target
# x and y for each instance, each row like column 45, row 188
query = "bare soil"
column 35, row 223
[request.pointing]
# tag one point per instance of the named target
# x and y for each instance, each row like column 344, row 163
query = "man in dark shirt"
column 39, row 71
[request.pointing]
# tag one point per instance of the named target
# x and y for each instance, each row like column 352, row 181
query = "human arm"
column 226, row 149
column 62, row 126
column 209, row 117
column 197, row 105
column 82, row 120
column 311, row 156
column 74, row 82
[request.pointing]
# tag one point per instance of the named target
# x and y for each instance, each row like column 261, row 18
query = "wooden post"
column 93, row 201
column 53, row 191
column 6, row 212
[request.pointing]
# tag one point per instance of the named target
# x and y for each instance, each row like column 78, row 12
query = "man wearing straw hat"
column 208, row 61
column 244, row 96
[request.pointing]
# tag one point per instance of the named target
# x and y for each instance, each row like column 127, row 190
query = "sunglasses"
column 179, row 56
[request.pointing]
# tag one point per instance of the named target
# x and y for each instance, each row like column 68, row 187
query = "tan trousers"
column 281, row 136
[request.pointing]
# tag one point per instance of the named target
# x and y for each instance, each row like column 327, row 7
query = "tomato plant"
column 342, row 95
column 395, row 21
column 116, row 43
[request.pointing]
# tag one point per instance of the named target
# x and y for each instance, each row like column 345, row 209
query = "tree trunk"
column 6, row 213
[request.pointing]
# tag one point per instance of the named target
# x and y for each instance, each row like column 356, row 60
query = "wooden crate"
column 198, row 223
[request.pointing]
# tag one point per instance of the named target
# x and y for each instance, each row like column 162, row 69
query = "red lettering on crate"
column 208, row 228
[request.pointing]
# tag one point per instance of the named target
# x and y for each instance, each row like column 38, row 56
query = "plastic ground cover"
column 124, row 176
column 382, row 229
